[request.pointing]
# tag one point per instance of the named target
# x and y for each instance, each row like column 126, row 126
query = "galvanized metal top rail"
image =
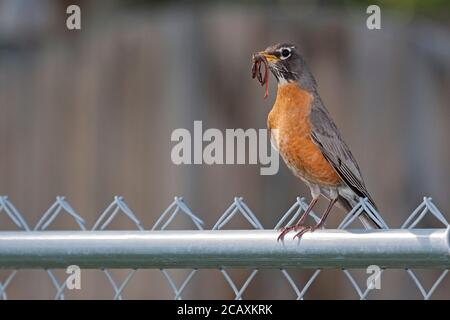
column 393, row 248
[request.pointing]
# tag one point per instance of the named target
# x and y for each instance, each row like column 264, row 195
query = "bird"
column 307, row 138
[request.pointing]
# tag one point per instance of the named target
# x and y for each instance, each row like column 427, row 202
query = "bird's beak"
column 269, row 57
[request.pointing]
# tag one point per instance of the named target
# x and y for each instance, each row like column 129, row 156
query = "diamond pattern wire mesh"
column 238, row 207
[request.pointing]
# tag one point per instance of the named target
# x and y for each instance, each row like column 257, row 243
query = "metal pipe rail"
column 394, row 248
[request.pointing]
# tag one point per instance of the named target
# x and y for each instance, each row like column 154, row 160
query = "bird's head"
column 283, row 60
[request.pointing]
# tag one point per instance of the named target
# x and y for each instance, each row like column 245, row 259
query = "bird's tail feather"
column 367, row 221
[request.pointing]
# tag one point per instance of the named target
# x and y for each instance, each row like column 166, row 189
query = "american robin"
column 307, row 138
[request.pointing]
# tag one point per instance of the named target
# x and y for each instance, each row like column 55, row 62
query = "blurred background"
column 89, row 114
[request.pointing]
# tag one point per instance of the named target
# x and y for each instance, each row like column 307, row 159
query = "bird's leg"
column 321, row 222
column 307, row 211
column 299, row 224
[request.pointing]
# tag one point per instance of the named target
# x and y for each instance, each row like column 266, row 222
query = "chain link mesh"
column 238, row 207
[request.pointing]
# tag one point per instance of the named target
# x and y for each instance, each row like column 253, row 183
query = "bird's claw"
column 286, row 230
column 303, row 231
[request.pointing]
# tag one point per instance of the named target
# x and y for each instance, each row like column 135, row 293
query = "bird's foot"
column 286, row 230
column 304, row 230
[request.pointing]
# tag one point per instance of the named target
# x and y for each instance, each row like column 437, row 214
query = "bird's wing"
column 326, row 135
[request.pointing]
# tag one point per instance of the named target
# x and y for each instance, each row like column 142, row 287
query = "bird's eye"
column 285, row 53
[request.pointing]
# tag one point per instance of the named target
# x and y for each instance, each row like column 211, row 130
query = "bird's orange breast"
column 291, row 133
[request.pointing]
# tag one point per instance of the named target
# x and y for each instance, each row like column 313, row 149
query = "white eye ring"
column 283, row 55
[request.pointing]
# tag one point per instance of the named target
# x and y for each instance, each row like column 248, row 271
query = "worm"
column 258, row 61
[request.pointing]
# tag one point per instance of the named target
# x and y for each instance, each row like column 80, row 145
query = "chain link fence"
column 178, row 207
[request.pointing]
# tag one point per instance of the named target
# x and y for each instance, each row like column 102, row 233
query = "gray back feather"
column 327, row 136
